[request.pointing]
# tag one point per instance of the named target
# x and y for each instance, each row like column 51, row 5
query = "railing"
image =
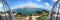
column 7, row 7
column 56, row 12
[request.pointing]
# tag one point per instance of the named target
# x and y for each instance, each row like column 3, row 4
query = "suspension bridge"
column 6, row 8
column 54, row 15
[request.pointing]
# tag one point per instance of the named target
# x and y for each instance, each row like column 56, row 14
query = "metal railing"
column 6, row 8
column 57, row 12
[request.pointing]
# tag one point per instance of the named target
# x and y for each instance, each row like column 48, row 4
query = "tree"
column 39, row 12
column 44, row 15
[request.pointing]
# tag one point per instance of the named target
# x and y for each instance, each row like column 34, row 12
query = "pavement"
column 33, row 17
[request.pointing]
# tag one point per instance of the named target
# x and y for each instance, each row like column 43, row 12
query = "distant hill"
column 36, row 9
column 27, row 11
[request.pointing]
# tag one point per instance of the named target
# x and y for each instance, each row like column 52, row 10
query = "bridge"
column 55, row 11
column 53, row 14
column 6, row 8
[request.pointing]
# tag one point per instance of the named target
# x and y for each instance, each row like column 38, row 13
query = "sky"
column 46, row 4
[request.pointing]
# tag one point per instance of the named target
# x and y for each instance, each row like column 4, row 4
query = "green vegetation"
column 20, row 18
column 44, row 16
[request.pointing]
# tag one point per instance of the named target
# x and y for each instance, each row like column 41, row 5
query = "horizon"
column 46, row 4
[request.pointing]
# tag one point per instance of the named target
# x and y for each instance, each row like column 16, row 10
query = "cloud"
column 47, row 6
column 1, row 6
column 54, row 0
column 38, row 0
column 28, row 5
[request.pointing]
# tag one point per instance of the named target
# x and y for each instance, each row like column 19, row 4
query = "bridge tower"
column 7, row 9
column 55, row 11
